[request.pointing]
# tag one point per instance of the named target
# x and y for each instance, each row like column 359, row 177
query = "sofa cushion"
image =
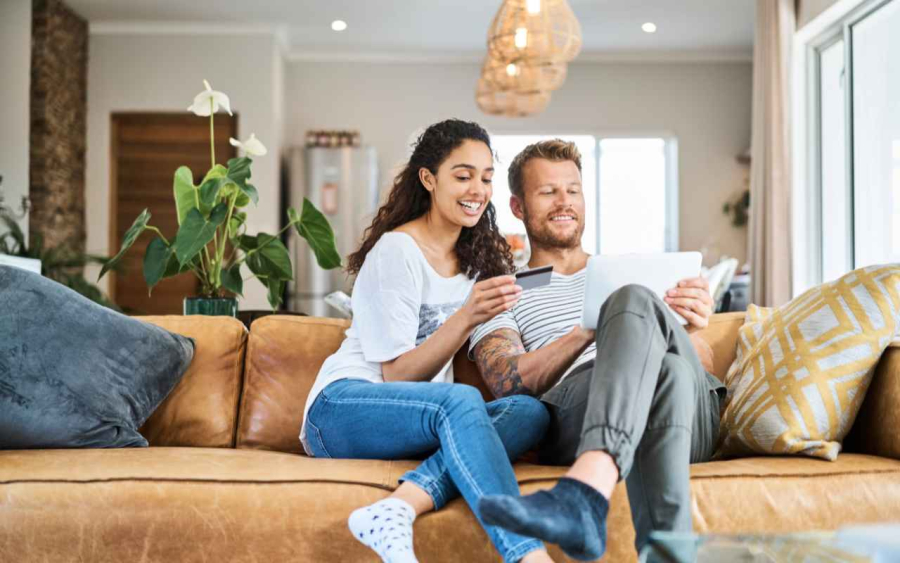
column 284, row 355
column 163, row 504
column 202, row 409
column 802, row 370
column 74, row 374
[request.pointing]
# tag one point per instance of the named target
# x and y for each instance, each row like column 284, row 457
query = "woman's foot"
column 386, row 527
column 539, row 556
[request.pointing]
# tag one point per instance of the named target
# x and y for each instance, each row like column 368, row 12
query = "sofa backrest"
column 202, row 409
column 224, row 401
column 249, row 390
column 284, row 355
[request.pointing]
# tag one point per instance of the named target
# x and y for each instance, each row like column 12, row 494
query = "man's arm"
column 508, row 369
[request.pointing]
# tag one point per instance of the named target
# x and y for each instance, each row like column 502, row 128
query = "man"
column 631, row 402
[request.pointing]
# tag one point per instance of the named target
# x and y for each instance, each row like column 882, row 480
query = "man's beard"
column 540, row 234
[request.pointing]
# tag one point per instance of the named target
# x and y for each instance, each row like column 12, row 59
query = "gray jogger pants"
column 647, row 401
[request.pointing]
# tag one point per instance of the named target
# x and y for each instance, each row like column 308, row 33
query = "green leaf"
column 242, row 200
column 237, row 220
column 239, row 173
column 131, row 235
column 232, row 280
column 209, row 191
column 239, row 169
column 217, row 171
column 249, row 190
column 155, row 261
column 314, row 227
column 196, row 232
column 211, row 186
column 184, row 188
column 275, row 258
column 267, row 257
column 276, row 292
column 247, row 242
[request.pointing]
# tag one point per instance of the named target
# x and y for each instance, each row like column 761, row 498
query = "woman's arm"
column 488, row 299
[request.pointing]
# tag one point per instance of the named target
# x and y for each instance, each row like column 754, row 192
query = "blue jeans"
column 469, row 444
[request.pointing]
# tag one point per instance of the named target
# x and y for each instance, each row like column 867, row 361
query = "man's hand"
column 691, row 300
column 704, row 352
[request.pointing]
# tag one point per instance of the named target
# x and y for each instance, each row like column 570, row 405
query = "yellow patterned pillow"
column 802, row 370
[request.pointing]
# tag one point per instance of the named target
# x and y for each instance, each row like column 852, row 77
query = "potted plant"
column 212, row 241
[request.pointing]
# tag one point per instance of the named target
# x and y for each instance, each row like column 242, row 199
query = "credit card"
column 536, row 277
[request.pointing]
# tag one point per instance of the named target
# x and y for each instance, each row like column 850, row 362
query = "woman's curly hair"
column 481, row 250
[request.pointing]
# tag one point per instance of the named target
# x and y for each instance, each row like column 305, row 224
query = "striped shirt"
column 543, row 315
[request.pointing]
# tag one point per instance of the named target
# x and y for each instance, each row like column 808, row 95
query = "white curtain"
column 770, row 168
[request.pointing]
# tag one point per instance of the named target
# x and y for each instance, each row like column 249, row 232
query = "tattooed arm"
column 508, row 369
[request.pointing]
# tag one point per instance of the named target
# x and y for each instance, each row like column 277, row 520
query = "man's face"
column 553, row 210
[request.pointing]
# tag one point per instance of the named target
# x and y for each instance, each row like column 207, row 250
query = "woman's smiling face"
column 461, row 189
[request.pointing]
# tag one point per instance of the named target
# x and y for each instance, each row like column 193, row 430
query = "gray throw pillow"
column 74, row 374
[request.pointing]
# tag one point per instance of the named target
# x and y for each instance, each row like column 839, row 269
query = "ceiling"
column 707, row 29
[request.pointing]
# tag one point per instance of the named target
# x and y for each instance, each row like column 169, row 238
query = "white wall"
column 15, row 92
column 706, row 105
column 142, row 72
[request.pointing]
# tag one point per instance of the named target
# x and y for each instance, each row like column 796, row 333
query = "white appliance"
column 343, row 184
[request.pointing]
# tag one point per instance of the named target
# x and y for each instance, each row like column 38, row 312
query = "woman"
column 415, row 302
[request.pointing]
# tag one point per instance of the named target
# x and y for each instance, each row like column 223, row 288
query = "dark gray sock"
column 572, row 515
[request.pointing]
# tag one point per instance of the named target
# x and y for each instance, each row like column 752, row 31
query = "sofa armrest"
column 876, row 430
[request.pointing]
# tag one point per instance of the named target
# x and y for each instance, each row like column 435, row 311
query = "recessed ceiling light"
column 339, row 25
column 649, row 27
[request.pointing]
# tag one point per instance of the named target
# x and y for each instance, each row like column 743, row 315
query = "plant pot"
column 211, row 306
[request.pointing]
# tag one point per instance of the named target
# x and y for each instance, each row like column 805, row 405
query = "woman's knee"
column 525, row 412
column 464, row 398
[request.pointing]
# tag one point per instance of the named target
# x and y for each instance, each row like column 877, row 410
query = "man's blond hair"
column 555, row 150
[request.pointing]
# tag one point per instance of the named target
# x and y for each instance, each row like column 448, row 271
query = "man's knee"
column 631, row 298
column 631, row 295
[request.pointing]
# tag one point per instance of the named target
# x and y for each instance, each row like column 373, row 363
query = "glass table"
column 861, row 544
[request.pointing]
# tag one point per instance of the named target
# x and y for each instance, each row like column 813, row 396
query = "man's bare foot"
column 596, row 469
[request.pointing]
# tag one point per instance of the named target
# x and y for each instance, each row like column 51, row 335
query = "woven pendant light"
column 539, row 31
column 508, row 102
column 523, row 75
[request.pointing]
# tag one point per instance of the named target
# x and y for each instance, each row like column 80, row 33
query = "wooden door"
column 147, row 148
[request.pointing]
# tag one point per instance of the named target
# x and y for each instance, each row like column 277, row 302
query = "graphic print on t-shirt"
column 431, row 317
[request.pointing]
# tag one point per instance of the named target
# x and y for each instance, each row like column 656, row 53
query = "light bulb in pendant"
column 533, row 6
column 521, row 38
column 511, row 69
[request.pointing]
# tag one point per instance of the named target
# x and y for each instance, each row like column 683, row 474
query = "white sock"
column 386, row 527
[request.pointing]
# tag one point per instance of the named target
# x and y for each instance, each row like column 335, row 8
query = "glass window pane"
column 836, row 203
column 632, row 195
column 876, row 134
column 508, row 146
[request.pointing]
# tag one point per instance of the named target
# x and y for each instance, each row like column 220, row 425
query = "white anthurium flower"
column 251, row 146
column 208, row 102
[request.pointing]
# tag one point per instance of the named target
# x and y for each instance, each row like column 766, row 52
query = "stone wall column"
column 58, row 124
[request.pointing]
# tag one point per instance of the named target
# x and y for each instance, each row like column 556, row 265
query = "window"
column 851, row 184
column 630, row 191
column 875, row 73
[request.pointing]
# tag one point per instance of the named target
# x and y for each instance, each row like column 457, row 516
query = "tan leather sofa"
column 225, row 480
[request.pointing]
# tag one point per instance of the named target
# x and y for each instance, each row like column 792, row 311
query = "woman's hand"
column 489, row 298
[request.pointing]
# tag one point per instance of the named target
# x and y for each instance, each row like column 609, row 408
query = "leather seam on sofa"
column 246, row 378
column 240, row 367
column 388, row 487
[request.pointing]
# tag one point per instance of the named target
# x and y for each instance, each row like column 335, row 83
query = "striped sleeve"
column 506, row 319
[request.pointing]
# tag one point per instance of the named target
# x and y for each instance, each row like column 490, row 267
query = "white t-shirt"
column 544, row 315
column 398, row 302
